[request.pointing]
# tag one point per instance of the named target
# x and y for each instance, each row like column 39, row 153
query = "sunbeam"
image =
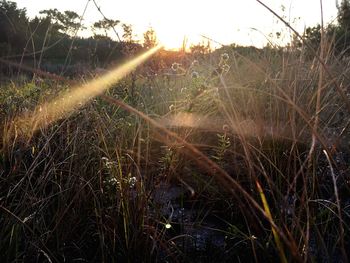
column 63, row 105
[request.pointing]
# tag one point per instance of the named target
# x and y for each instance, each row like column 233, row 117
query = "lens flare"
column 65, row 104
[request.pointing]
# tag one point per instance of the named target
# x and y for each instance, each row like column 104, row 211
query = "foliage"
column 65, row 22
column 200, row 48
column 336, row 34
column 48, row 37
column 149, row 39
column 13, row 25
column 219, row 156
column 106, row 24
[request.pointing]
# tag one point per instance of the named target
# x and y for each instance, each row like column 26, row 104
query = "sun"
column 170, row 42
column 171, row 36
column 175, row 37
column 179, row 25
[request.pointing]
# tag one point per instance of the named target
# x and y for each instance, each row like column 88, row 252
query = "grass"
column 248, row 152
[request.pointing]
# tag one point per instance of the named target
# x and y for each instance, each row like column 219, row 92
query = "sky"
column 243, row 22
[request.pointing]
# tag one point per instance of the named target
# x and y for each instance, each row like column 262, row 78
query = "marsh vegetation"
column 238, row 154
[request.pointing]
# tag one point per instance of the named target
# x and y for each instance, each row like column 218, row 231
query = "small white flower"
column 132, row 181
column 175, row 66
column 225, row 56
column 225, row 68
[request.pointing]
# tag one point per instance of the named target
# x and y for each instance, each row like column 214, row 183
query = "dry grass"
column 84, row 187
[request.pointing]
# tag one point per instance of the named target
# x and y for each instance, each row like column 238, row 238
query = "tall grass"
column 256, row 141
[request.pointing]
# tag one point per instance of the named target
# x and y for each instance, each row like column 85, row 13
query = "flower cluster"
column 223, row 64
column 175, row 66
column 112, row 182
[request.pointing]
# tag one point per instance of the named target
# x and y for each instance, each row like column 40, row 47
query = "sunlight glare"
column 61, row 107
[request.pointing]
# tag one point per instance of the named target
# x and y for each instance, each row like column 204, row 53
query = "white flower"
column 175, row 66
column 225, row 68
column 132, row 181
column 225, row 56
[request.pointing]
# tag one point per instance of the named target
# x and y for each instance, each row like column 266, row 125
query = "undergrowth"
column 87, row 187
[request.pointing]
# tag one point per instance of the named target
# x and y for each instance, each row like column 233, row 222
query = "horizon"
column 226, row 22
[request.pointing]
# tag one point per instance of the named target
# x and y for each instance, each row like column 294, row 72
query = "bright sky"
column 243, row 22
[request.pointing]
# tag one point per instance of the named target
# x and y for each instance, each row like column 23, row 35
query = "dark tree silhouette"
column 13, row 28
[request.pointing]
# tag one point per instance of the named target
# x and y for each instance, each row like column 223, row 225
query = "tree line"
column 52, row 37
column 51, row 40
column 335, row 34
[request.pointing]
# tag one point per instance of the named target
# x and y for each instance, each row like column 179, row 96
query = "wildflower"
column 132, row 181
column 175, row 66
column 109, row 164
column 113, row 181
column 194, row 75
column 225, row 57
column 167, row 226
column 225, row 68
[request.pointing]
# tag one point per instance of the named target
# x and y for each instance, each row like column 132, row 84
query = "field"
column 206, row 166
column 240, row 154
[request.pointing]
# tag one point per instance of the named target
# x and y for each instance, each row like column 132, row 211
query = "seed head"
column 132, row 181
column 225, row 56
column 225, row 68
column 175, row 66
column 194, row 75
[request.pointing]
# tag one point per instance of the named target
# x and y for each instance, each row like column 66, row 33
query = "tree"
column 106, row 24
column 150, row 38
column 200, row 48
column 344, row 14
column 68, row 21
column 337, row 34
column 342, row 31
column 127, row 33
column 13, row 27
